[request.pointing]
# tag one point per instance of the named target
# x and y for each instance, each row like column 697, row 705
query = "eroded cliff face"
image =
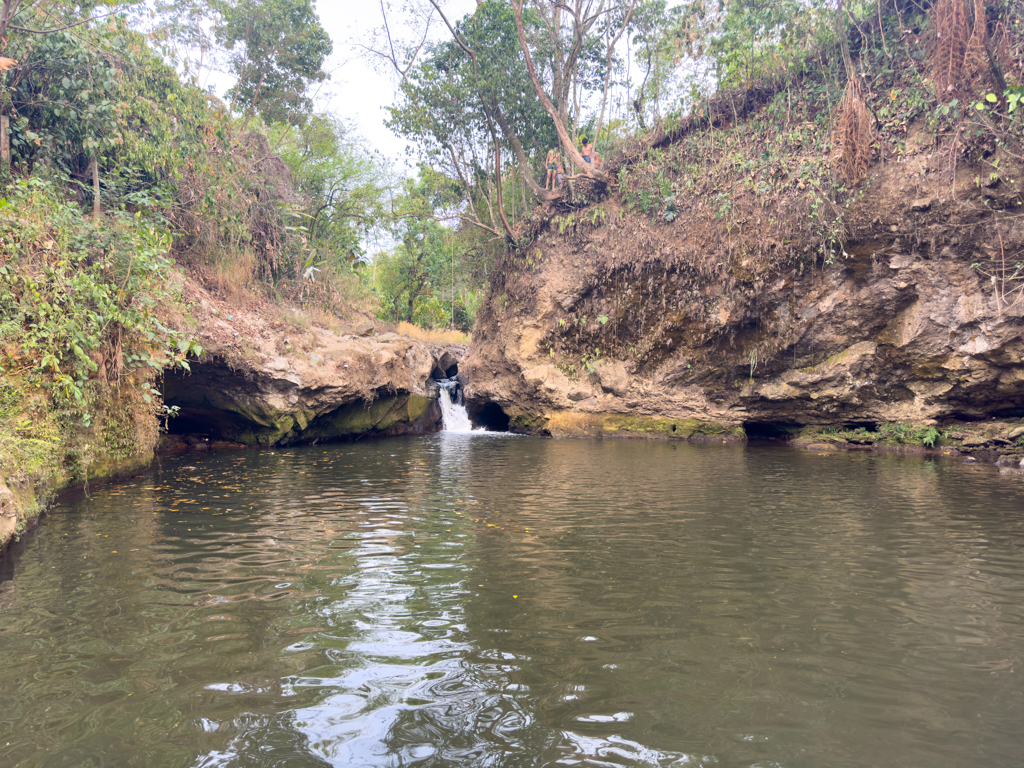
column 282, row 385
column 616, row 322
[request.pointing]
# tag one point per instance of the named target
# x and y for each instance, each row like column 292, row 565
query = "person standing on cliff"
column 559, row 172
column 587, row 151
column 552, row 165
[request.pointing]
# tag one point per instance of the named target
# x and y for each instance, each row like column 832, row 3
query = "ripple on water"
column 521, row 603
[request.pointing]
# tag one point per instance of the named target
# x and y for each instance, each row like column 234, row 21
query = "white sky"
column 360, row 90
column 363, row 85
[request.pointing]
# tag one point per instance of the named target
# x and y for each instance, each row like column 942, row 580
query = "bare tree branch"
column 455, row 34
column 11, row 8
column 391, row 56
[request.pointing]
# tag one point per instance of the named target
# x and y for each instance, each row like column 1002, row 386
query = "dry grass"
column 853, row 132
column 232, row 277
column 435, row 335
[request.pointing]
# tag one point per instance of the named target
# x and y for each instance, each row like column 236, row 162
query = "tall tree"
column 344, row 184
column 463, row 110
column 275, row 49
column 545, row 48
column 565, row 40
column 279, row 48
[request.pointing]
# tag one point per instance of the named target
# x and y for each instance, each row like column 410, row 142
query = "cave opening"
column 490, row 416
column 440, row 373
column 771, row 430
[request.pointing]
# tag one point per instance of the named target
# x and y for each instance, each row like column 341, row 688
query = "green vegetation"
column 123, row 178
column 82, row 295
column 884, row 434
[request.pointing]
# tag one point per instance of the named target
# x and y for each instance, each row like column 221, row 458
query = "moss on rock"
column 47, row 445
column 576, row 424
column 527, row 423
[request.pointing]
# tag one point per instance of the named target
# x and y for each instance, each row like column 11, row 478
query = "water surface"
column 475, row 600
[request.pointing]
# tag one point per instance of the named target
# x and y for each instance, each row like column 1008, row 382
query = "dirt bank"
column 615, row 321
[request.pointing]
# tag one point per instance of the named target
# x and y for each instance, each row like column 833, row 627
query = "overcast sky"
column 360, row 89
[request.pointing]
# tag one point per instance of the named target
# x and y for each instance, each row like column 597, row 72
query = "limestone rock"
column 548, row 382
column 900, row 330
column 1015, row 433
column 580, row 392
column 365, row 329
column 974, row 441
column 348, row 387
column 445, row 363
column 8, row 516
column 537, row 375
column 613, row 378
column 556, row 385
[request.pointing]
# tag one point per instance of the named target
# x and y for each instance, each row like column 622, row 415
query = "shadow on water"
column 488, row 600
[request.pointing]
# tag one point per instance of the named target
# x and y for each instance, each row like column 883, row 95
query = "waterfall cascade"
column 453, row 412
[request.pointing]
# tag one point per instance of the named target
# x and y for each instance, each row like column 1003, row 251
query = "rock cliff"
column 612, row 321
column 272, row 382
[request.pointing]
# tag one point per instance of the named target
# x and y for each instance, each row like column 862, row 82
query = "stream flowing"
column 463, row 600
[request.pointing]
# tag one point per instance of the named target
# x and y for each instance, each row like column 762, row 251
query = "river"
column 487, row 600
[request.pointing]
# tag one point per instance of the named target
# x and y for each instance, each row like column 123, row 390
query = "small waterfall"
column 453, row 412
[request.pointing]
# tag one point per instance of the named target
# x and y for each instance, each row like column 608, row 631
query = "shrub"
column 80, row 296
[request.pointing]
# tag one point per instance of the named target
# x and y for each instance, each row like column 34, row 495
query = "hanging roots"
column 853, row 132
column 956, row 45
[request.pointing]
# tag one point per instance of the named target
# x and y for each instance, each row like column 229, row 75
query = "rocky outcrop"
column 621, row 315
column 307, row 385
column 263, row 381
column 8, row 515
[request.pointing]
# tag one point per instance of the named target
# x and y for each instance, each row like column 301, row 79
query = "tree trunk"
column 96, row 187
column 524, row 161
column 567, row 143
column 5, row 140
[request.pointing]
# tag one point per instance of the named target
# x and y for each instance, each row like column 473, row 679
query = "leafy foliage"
column 82, row 299
column 101, row 93
column 280, row 48
column 427, row 278
column 345, row 186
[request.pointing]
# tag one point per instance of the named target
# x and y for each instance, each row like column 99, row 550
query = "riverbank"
column 269, row 375
column 732, row 277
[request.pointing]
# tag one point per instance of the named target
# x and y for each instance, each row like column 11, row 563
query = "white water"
column 454, row 416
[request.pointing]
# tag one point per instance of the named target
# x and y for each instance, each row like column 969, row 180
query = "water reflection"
column 499, row 601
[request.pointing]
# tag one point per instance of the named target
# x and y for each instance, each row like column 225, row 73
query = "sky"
column 361, row 85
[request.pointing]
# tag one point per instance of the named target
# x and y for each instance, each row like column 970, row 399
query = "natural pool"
column 478, row 600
